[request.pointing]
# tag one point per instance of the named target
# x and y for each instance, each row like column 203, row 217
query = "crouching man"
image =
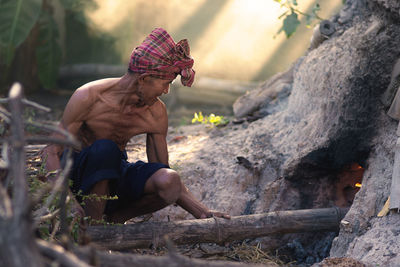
column 105, row 114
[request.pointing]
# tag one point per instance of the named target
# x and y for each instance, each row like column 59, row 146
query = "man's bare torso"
column 105, row 118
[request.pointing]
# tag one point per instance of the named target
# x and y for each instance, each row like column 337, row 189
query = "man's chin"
column 140, row 105
column 152, row 102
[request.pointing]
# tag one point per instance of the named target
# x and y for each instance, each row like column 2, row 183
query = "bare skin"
column 118, row 109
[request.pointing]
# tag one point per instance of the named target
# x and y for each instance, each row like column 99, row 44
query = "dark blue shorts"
column 104, row 161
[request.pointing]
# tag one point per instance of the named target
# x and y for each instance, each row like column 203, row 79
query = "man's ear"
column 142, row 77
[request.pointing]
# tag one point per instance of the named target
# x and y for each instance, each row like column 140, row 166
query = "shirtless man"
column 105, row 114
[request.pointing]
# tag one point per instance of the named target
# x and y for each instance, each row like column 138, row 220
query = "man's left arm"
column 156, row 148
column 156, row 141
column 157, row 151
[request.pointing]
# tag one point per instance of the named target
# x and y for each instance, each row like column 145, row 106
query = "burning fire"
column 348, row 183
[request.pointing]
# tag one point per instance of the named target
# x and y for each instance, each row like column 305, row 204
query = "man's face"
column 153, row 87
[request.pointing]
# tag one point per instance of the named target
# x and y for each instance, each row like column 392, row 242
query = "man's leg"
column 161, row 189
column 94, row 207
column 98, row 163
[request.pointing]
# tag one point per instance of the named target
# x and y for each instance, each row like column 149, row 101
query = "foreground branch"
column 59, row 254
column 17, row 247
column 104, row 259
column 20, row 188
column 216, row 230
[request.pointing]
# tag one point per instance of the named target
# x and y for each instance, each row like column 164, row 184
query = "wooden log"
column 394, row 203
column 91, row 70
column 215, row 230
column 105, row 259
column 391, row 97
column 104, row 70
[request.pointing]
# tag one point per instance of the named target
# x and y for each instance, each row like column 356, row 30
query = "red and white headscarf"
column 161, row 56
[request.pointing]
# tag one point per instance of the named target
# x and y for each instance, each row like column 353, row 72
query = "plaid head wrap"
column 160, row 56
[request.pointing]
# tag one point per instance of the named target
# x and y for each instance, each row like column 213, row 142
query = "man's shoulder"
column 87, row 92
column 158, row 109
column 81, row 95
column 106, row 82
column 159, row 116
column 97, row 85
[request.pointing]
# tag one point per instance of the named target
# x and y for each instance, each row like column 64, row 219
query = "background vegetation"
column 38, row 36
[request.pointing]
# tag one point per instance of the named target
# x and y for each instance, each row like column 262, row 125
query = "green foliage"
column 48, row 52
column 98, row 198
column 313, row 15
column 76, row 8
column 29, row 116
column 212, row 119
column 290, row 24
column 291, row 16
column 17, row 18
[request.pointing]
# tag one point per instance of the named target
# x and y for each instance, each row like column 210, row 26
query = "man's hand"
column 78, row 214
column 79, row 217
column 213, row 213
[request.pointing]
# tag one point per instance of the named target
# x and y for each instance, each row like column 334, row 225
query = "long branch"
column 5, row 204
column 35, row 105
column 59, row 254
column 17, row 164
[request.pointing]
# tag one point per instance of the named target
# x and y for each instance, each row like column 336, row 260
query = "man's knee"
column 167, row 184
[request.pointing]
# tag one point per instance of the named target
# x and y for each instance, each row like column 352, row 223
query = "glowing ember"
column 348, row 184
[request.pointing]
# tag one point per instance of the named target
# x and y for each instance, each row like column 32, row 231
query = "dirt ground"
column 340, row 262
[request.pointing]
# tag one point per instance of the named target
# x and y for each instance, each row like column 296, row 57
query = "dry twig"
column 58, row 253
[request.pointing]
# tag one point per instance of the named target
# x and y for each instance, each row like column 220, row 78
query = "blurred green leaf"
column 17, row 17
column 290, row 24
column 316, row 8
column 78, row 5
column 311, row 17
column 70, row 4
column 48, row 52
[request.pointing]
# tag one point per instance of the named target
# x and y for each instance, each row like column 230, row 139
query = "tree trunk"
column 215, row 229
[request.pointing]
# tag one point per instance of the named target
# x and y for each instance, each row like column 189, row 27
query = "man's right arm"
column 73, row 116
column 51, row 155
